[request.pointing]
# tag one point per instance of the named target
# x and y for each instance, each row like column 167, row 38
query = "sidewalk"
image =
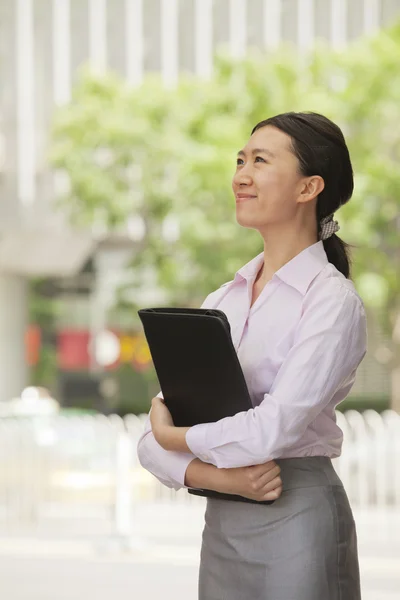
column 162, row 558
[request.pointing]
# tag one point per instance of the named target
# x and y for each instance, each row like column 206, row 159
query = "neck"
column 281, row 246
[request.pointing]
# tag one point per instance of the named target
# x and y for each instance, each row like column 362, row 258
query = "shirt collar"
column 299, row 272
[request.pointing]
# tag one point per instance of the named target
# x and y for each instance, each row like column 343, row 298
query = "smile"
column 244, row 197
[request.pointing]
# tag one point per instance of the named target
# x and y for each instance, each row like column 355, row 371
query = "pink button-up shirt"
column 299, row 346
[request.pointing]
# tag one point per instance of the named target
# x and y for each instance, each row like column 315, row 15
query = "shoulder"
column 333, row 310
column 214, row 296
column 331, row 289
column 225, row 284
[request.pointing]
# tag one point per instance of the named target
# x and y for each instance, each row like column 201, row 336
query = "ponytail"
column 338, row 253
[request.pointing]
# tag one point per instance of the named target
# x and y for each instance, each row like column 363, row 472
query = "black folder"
column 198, row 369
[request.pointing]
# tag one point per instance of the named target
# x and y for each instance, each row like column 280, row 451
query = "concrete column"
column 13, row 323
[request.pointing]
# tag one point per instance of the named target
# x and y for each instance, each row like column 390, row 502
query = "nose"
column 242, row 177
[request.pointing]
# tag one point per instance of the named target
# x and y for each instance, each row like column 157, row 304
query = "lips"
column 244, row 197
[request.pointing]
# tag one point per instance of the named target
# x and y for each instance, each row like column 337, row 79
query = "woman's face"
column 267, row 182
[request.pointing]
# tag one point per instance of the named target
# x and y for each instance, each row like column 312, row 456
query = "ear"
column 312, row 187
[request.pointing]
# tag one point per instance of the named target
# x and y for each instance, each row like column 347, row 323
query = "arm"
column 168, row 467
column 173, row 469
column 329, row 345
column 259, row 482
column 202, row 475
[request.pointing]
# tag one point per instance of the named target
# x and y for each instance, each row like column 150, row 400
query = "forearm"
column 205, row 476
column 173, row 438
column 168, row 467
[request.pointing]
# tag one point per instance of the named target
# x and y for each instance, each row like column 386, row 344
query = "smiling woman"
column 299, row 329
column 298, row 167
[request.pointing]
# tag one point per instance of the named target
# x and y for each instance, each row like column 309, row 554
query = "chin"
column 248, row 223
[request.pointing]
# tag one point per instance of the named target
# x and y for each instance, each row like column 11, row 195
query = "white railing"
column 87, row 466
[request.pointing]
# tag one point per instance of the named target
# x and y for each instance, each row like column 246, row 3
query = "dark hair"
column 320, row 148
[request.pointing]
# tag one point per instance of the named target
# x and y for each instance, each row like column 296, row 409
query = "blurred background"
column 119, row 125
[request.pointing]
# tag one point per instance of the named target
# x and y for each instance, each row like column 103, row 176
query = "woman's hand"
column 160, row 416
column 160, row 419
column 166, row 434
column 258, row 482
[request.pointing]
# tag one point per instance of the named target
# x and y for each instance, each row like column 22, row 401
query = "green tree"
column 158, row 152
column 368, row 102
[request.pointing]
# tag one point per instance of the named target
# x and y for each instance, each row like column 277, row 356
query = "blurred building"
column 42, row 45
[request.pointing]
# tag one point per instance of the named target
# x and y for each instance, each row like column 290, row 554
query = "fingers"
column 271, row 485
column 258, row 470
column 273, row 494
column 268, row 483
column 267, row 477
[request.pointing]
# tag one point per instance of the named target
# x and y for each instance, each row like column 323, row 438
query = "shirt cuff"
column 169, row 467
column 196, row 440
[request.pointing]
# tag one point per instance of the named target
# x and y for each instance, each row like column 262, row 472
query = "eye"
column 240, row 161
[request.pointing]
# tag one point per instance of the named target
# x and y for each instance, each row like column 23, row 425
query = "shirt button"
column 205, row 457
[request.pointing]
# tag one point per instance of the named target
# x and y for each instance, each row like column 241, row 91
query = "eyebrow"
column 258, row 151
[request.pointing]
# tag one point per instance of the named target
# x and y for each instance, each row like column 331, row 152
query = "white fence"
column 77, row 467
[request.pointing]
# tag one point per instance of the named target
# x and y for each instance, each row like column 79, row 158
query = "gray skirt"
column 302, row 547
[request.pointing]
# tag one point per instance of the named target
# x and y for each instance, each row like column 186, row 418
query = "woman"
column 299, row 329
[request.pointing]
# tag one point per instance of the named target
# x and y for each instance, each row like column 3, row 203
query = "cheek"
column 276, row 194
column 269, row 183
column 277, row 182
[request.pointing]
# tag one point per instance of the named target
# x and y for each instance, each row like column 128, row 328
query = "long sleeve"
column 168, row 467
column 329, row 344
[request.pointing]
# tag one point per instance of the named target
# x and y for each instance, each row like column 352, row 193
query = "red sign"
column 73, row 349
